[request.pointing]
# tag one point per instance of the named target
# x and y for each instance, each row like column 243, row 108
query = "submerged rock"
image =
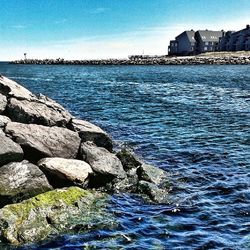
column 37, row 112
column 151, row 174
column 9, row 150
column 53, row 212
column 64, row 172
column 90, row 132
column 3, row 103
column 40, row 141
column 105, row 164
column 21, row 180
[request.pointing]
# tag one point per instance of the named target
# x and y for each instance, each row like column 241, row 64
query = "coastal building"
column 184, row 44
column 236, row 41
column 207, row 41
column 201, row 41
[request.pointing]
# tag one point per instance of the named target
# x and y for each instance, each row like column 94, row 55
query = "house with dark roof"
column 184, row 44
column 236, row 41
column 207, row 40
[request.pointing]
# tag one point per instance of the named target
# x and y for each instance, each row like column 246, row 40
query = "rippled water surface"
column 192, row 121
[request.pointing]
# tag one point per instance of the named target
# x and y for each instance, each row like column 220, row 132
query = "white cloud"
column 99, row 10
column 18, row 26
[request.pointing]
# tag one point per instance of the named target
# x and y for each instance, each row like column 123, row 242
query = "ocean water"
column 192, row 121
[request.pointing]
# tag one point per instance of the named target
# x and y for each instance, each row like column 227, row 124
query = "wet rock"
column 90, row 132
column 156, row 194
column 37, row 112
column 64, row 172
column 40, row 142
column 21, row 180
column 128, row 184
column 11, row 88
column 105, row 164
column 151, row 174
column 3, row 103
column 52, row 213
column 4, row 120
column 9, row 150
column 128, row 159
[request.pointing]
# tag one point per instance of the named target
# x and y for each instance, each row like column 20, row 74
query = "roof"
column 189, row 34
column 209, row 35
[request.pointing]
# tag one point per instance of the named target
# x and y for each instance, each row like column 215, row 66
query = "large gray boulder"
column 40, row 141
column 105, row 164
column 9, row 150
column 3, row 103
column 38, row 112
column 90, row 132
column 21, row 180
column 62, row 172
column 52, row 213
column 11, row 88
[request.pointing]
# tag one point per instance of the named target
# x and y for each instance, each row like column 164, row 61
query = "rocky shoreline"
column 161, row 60
column 57, row 171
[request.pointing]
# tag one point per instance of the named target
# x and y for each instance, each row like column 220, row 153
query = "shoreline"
column 216, row 58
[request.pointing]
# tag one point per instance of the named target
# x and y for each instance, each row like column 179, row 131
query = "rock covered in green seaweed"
column 53, row 212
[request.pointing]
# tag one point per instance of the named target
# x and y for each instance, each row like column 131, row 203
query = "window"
column 206, row 43
column 205, row 48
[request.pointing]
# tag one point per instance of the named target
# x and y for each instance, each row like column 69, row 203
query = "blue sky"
column 81, row 29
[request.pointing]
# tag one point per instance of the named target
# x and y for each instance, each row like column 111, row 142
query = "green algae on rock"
column 53, row 212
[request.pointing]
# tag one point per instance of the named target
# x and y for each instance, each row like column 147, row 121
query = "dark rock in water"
column 3, row 103
column 37, row 112
column 151, row 174
column 10, row 88
column 4, row 120
column 128, row 184
column 128, row 159
column 65, row 172
column 156, row 194
column 21, row 180
column 9, row 150
column 90, row 132
column 51, row 213
column 39, row 141
column 105, row 164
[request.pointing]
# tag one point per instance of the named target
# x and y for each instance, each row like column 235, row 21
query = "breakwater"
column 162, row 60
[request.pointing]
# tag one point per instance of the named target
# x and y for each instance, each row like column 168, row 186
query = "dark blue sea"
column 192, row 121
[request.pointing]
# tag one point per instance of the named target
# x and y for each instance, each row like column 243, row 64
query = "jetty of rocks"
column 57, row 171
column 203, row 59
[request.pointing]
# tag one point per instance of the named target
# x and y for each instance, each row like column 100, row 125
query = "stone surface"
column 151, row 174
column 91, row 132
column 21, row 180
column 52, row 213
column 156, row 194
column 39, row 141
column 11, row 88
column 4, row 120
column 37, row 112
column 9, row 150
column 128, row 159
column 3, row 103
column 63, row 172
column 105, row 164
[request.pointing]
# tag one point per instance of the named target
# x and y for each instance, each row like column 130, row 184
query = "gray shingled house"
column 207, row 40
column 184, row 44
column 236, row 41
